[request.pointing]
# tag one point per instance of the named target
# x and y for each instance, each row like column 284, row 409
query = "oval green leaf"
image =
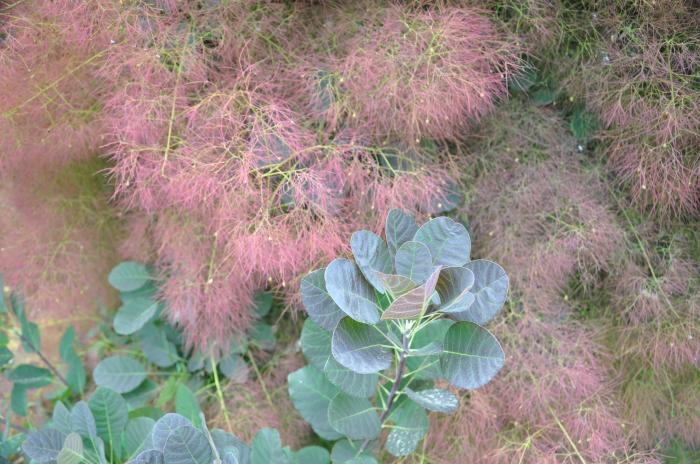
column 360, row 347
column 371, row 254
column 119, row 373
column 490, row 291
column 129, row 276
column 471, row 355
column 413, row 260
column 318, row 302
column 351, row 292
column 354, row 417
column 447, row 240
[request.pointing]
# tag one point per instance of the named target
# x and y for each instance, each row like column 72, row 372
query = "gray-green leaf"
column 359, row 347
column 400, row 228
column 471, row 355
column 44, row 445
column 371, row 254
column 434, row 399
column 490, row 291
column 72, row 451
column 134, row 314
column 351, row 292
column 311, row 394
column 110, row 412
column 318, row 302
column 447, row 240
column 413, row 260
column 267, row 448
column 128, row 276
column 119, row 373
column 354, row 417
column 187, row 445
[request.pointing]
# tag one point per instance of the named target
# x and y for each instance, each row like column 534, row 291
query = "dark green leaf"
column 490, row 291
column 311, row 394
column 410, row 424
column 413, row 260
column 351, row 292
column 186, row 404
column 454, row 286
column 400, row 228
column 137, row 435
column 318, row 303
column 471, row 356
column 447, row 240
column 371, row 254
column 30, row 376
column 18, row 400
column 360, row 347
column 353, row 417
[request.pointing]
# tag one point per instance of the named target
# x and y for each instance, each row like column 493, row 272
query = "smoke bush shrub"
column 50, row 97
column 395, row 307
column 646, row 91
column 399, row 73
column 242, row 189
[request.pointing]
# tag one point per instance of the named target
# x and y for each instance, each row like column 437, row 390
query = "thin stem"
column 394, row 389
column 43, row 358
column 260, row 379
column 219, row 393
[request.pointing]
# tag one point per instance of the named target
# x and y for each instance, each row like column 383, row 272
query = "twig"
column 219, row 392
column 392, row 393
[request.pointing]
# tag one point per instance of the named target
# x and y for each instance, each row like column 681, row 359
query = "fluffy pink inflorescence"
column 402, row 67
column 648, row 99
column 242, row 193
column 49, row 98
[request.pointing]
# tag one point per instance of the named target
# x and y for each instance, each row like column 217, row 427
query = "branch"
column 393, row 392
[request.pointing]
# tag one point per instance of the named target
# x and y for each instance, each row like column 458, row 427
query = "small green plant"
column 147, row 368
column 407, row 313
column 103, row 431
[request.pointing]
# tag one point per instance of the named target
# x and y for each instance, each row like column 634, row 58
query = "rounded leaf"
column 352, row 383
column 225, row 441
column 60, row 420
column 490, row 291
column 311, row 394
column 410, row 424
column 82, row 420
column 72, row 451
column 351, row 292
column 149, row 457
column 137, row 435
column 353, row 417
column 345, row 451
column 129, row 276
column 119, row 373
column 447, row 240
column 413, row 260
column 360, row 347
column 400, row 228
column 396, row 285
column 311, row 455
column 428, row 367
column 134, row 314
column 110, row 412
column 267, row 448
column 371, row 254
column 318, row 302
column 29, row 376
column 187, row 445
column 454, row 286
column 315, row 343
column 434, row 399
column 165, row 426
column 471, row 355
column 44, row 445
